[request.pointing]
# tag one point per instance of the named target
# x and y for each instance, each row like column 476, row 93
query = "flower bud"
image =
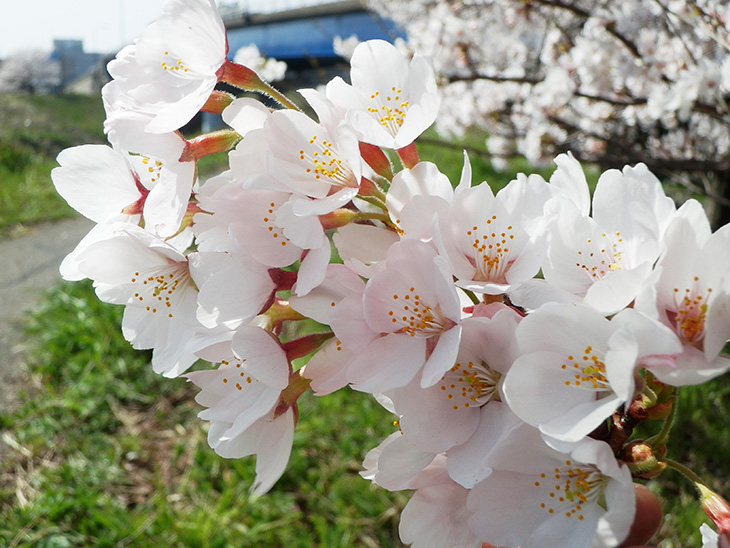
column 655, row 401
column 641, row 459
column 217, row 102
column 337, row 218
column 719, row 511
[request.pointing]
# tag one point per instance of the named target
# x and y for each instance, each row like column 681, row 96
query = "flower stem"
column 689, row 474
column 661, row 438
column 371, row 189
column 244, row 78
column 472, row 297
column 365, row 216
column 372, row 200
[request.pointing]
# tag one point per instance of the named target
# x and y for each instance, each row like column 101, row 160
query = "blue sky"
column 104, row 25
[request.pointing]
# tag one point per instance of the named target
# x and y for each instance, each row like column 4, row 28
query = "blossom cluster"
column 644, row 80
column 514, row 334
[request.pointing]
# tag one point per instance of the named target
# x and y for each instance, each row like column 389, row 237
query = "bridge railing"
column 270, row 6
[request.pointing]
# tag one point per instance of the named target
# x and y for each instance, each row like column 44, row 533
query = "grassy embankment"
column 107, row 454
column 33, row 130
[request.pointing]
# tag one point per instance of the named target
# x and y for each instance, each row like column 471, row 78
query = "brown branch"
column 493, row 78
column 677, row 164
column 569, row 7
column 629, row 103
column 610, row 27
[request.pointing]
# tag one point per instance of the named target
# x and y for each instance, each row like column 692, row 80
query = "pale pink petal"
column 339, row 283
column 263, row 356
column 437, row 517
column 313, row 268
column 469, row 462
column 95, row 180
column 327, row 369
column 388, row 362
column 442, row 357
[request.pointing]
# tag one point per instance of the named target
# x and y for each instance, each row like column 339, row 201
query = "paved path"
column 29, row 266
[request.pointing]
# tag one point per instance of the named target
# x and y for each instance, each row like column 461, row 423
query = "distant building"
column 81, row 72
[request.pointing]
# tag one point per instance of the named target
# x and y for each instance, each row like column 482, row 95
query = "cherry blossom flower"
column 577, row 367
column 172, row 69
column 152, row 279
column 248, row 382
column 391, row 101
column 495, row 242
column 245, row 402
column 162, row 166
column 691, row 295
column 405, row 321
column 605, row 260
column 585, row 498
column 436, row 515
column 317, row 160
column 245, row 221
column 447, row 413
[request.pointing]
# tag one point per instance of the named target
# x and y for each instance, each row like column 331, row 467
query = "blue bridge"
column 302, row 32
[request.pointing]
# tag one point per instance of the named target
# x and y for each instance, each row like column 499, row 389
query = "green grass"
column 34, row 130
column 110, row 454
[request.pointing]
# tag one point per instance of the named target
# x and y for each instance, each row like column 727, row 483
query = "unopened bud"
column 217, row 102
column 642, row 460
column 644, row 409
column 239, row 76
column 655, row 401
column 337, row 218
column 717, row 508
column 209, row 143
